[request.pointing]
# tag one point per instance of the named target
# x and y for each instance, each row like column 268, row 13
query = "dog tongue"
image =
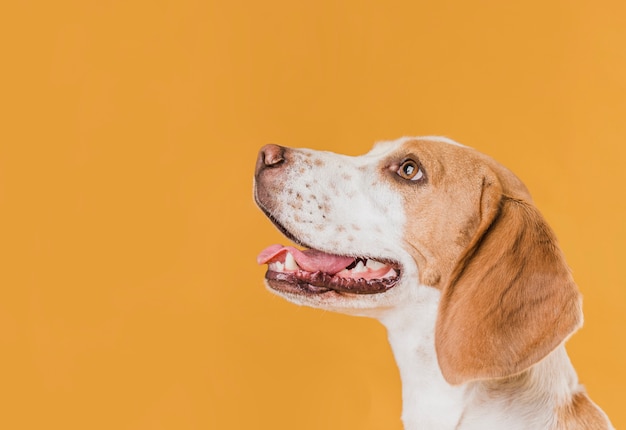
column 310, row 260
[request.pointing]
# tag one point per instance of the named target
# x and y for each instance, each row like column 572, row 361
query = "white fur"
column 429, row 402
column 345, row 208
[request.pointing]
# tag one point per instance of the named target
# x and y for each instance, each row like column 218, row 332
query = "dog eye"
column 410, row 170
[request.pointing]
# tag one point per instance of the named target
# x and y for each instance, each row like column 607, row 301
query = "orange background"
column 130, row 297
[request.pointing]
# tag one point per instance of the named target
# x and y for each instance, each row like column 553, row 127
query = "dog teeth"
column 344, row 273
column 359, row 268
column 391, row 274
column 277, row 267
column 374, row 265
column 290, row 262
column 289, row 265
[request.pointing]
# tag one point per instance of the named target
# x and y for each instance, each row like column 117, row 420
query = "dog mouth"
column 311, row 271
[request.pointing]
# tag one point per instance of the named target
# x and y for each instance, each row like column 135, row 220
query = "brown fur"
column 582, row 414
column 444, row 215
column 510, row 301
column 508, row 298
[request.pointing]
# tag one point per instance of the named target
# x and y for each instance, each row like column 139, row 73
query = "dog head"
column 421, row 213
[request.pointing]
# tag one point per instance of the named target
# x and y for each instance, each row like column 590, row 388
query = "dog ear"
column 510, row 299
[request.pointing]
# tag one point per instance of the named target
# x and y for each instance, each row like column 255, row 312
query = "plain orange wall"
column 129, row 293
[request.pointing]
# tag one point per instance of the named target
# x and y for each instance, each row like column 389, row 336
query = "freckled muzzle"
column 310, row 271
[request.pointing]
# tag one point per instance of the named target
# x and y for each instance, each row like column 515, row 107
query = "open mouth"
column 316, row 272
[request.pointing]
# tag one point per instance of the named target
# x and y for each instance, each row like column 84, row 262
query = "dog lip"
column 320, row 283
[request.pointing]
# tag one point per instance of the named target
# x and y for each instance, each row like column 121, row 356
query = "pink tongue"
column 310, row 260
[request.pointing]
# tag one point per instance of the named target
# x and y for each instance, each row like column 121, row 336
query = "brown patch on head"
column 467, row 231
column 581, row 414
column 508, row 298
column 443, row 211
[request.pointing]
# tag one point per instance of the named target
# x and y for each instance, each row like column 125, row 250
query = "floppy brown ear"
column 510, row 300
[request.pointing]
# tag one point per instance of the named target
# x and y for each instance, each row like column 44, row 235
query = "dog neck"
column 430, row 402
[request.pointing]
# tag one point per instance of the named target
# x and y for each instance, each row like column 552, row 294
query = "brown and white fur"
column 484, row 301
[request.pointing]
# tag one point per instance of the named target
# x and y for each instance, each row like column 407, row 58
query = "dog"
column 444, row 246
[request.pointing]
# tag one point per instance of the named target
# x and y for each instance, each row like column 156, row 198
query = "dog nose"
column 270, row 156
column 273, row 155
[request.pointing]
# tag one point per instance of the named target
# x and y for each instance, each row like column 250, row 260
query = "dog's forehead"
column 383, row 148
column 407, row 144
